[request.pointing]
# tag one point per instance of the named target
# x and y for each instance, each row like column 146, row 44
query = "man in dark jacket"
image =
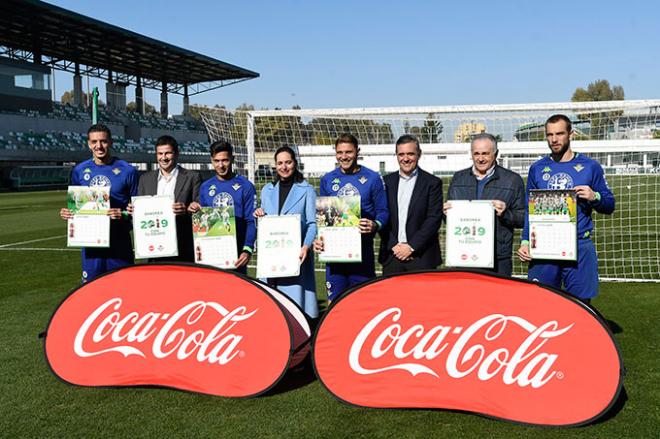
column 181, row 184
column 414, row 197
column 486, row 180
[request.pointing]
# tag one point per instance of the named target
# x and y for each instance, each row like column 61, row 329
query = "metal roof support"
column 110, row 91
column 139, row 96
column 77, row 87
column 163, row 100
column 186, row 101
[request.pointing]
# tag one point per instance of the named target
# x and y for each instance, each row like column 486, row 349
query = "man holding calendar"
column 352, row 179
column 177, row 182
column 105, row 170
column 565, row 169
column 226, row 189
column 486, row 180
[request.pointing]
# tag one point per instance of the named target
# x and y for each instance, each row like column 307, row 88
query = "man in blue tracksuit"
column 227, row 188
column 105, row 170
column 565, row 169
column 351, row 179
column 486, row 180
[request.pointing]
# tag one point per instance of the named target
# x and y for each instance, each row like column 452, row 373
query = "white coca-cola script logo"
column 170, row 332
column 527, row 365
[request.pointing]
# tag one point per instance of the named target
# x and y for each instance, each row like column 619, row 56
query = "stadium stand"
column 70, row 141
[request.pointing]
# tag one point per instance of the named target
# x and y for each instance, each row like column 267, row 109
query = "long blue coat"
column 300, row 200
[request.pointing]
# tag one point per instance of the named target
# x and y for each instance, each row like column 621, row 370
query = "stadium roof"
column 31, row 29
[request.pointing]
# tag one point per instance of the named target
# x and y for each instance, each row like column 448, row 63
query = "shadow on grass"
column 295, row 378
column 615, row 409
column 614, row 326
column 303, row 374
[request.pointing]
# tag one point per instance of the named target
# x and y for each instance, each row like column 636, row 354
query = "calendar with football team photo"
column 338, row 219
column 90, row 225
column 553, row 224
column 214, row 233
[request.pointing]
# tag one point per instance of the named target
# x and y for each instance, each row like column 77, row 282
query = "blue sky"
column 384, row 53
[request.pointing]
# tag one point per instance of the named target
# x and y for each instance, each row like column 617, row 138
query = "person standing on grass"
column 289, row 193
column 565, row 169
column 105, row 170
column 351, row 179
column 226, row 189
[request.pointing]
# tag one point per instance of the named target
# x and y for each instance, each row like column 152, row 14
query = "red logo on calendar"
column 469, row 341
column 184, row 327
column 464, row 257
column 151, row 248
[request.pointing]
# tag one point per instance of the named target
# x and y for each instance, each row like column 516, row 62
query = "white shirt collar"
column 173, row 174
column 413, row 174
column 489, row 173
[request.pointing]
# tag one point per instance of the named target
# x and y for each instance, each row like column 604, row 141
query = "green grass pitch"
column 38, row 271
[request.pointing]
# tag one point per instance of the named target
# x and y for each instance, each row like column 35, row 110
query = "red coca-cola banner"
column 180, row 326
column 468, row 341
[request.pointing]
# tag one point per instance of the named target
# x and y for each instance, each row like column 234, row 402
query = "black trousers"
column 393, row 266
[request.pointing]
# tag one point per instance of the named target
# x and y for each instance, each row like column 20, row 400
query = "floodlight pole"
column 95, row 105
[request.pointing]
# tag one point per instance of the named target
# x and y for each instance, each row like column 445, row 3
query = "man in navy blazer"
column 182, row 184
column 410, row 240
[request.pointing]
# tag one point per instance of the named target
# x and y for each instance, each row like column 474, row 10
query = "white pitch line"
column 40, row 249
column 31, row 241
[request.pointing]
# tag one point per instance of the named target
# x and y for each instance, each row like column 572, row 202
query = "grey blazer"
column 186, row 191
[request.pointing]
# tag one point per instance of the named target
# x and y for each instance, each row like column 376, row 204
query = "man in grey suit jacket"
column 172, row 179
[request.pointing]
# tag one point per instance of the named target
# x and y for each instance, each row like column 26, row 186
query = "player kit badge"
column 578, row 167
column 335, row 187
column 212, row 190
column 363, row 180
column 236, row 186
column 116, row 171
column 546, row 177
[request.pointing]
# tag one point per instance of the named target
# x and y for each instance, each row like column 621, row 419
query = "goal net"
column 623, row 136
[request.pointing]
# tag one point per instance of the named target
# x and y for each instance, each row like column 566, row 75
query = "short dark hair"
column 168, row 140
column 556, row 118
column 407, row 138
column 482, row 136
column 221, row 146
column 347, row 138
column 297, row 175
column 99, row 128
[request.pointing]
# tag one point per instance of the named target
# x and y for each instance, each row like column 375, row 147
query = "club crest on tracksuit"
column 223, row 199
column 348, row 190
column 560, row 181
column 99, row 180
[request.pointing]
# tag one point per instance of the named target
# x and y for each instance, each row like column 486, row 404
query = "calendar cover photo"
column 338, row 220
column 90, row 225
column 90, row 200
column 553, row 224
column 214, row 234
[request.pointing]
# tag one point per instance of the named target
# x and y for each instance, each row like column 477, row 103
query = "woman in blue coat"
column 289, row 194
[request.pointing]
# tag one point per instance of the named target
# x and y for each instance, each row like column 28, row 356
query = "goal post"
column 623, row 136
